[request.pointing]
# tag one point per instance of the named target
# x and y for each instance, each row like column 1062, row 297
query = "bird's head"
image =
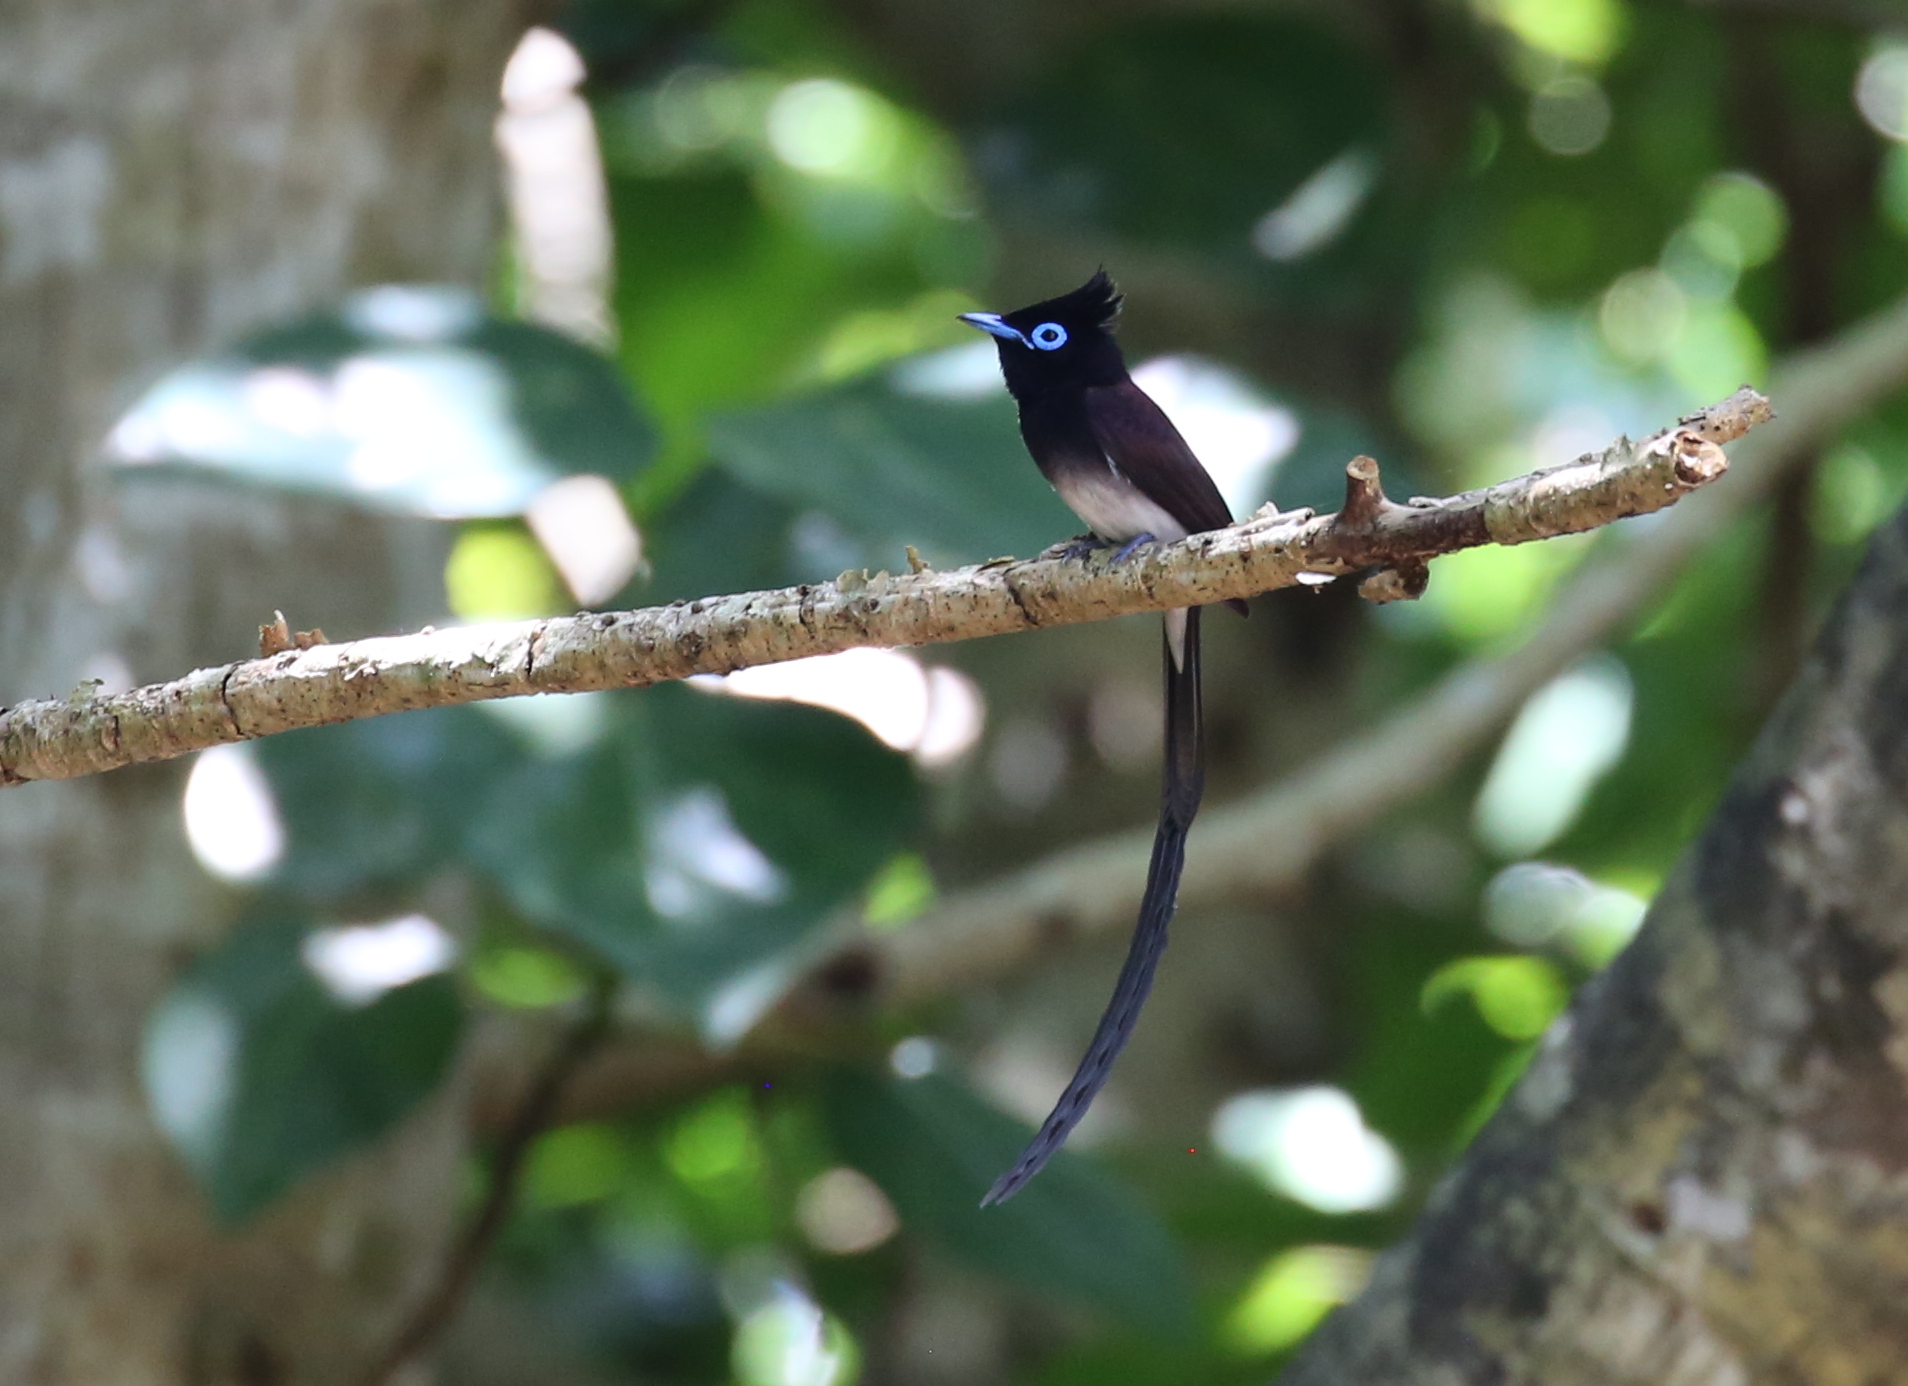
column 1064, row 341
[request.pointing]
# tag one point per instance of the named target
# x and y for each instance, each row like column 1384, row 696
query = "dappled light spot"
column 1517, row 996
column 1881, row 91
column 843, row 1212
column 697, row 855
column 735, row 1006
column 1853, row 494
column 498, row 573
column 554, row 724
column 1568, row 736
column 714, row 1143
column 1718, row 343
column 914, row 1057
column 1534, row 904
column 789, row 1341
column 956, row 716
column 1312, row 1145
column 407, row 398
column 231, row 819
column 189, row 1065
column 1318, row 210
column 526, row 978
column 1579, row 31
column 968, row 371
column 1487, row 593
column 586, row 531
column 874, row 336
column 1292, row 1294
column 936, row 713
column 358, row 963
column 823, row 126
column 1641, row 315
column 1569, row 116
column 900, row 891
column 415, row 314
column 1740, row 219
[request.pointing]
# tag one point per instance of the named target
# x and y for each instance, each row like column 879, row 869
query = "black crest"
column 1095, row 303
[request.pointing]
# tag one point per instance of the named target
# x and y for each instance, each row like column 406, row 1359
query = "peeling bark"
column 1703, row 1177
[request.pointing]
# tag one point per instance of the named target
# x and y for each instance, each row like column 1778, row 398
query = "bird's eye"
column 1049, row 336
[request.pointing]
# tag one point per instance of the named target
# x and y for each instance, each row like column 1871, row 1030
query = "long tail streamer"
column 1184, row 783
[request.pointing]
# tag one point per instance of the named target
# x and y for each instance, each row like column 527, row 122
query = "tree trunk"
column 1703, row 1176
column 173, row 173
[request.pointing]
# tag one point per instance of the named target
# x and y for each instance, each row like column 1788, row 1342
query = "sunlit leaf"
column 407, row 398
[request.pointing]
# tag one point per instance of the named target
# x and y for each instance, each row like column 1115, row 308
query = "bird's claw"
column 1130, row 547
column 1084, row 547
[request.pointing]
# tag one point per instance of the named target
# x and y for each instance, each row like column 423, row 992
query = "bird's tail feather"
column 1184, row 784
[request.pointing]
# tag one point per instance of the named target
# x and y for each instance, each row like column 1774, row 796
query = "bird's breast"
column 1112, row 506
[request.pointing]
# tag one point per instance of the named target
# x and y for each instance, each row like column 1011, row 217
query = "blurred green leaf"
column 701, row 837
column 722, row 535
column 380, row 803
column 934, row 1148
column 260, row 1076
column 949, row 476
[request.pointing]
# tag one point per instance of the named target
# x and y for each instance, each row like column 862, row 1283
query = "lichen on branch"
column 1385, row 543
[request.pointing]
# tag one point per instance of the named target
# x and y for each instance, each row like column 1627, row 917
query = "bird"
column 1118, row 462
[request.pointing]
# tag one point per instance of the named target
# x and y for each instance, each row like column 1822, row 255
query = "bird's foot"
column 1130, row 547
column 1084, row 547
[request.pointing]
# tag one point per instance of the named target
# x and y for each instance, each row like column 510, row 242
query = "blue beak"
column 991, row 324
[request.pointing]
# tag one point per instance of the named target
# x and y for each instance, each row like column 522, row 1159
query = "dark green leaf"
column 1189, row 129
column 379, row 803
column 949, row 476
column 1074, row 1233
column 701, row 837
column 260, row 1076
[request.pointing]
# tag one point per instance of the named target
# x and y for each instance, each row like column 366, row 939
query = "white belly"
column 1114, row 508
column 1117, row 510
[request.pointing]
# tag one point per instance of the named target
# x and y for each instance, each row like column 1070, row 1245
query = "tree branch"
column 88, row 733
column 1265, row 843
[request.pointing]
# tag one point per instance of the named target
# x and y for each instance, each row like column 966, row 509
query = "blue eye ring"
column 1049, row 336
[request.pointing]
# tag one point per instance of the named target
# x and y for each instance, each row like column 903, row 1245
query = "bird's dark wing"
column 1142, row 442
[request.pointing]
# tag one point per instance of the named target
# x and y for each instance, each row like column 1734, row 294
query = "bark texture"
column 322, row 683
column 173, row 173
column 1702, row 1180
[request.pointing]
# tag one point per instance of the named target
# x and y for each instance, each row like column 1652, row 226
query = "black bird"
column 1121, row 466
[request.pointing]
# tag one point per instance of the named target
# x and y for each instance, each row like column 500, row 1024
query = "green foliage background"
column 1558, row 220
